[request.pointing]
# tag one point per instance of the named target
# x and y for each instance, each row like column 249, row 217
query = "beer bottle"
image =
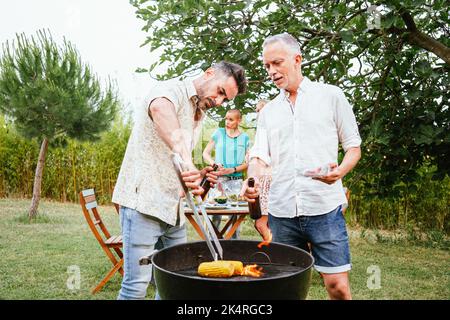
column 205, row 184
column 254, row 208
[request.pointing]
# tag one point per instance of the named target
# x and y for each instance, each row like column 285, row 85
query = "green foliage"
column 422, row 205
column 50, row 93
column 397, row 84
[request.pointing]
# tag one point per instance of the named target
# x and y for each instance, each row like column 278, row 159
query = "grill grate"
column 270, row 270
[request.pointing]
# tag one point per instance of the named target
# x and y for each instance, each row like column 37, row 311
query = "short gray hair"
column 285, row 38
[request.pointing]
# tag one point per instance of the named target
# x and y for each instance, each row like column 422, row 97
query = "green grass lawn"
column 35, row 259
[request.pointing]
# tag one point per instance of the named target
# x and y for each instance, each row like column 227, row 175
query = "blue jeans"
column 327, row 234
column 141, row 235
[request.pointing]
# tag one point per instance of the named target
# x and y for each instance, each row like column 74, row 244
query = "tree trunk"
column 38, row 180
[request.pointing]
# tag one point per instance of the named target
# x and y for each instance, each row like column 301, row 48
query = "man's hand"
column 350, row 160
column 192, row 179
column 250, row 194
column 211, row 175
column 334, row 175
column 262, row 226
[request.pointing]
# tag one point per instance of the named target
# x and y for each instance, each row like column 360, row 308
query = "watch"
column 234, row 170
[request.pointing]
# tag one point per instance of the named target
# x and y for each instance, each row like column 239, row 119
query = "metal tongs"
column 214, row 246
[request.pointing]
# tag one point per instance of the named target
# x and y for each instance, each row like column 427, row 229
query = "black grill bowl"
column 287, row 277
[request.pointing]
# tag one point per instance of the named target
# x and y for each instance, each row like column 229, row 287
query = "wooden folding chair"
column 109, row 244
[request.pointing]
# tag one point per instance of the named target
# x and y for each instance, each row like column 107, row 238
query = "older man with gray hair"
column 298, row 136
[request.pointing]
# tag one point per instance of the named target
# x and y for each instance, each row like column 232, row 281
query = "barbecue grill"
column 287, row 272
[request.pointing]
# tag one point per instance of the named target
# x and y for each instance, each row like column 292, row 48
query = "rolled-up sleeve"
column 171, row 93
column 346, row 123
column 260, row 148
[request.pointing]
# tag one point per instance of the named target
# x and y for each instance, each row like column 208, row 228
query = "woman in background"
column 230, row 145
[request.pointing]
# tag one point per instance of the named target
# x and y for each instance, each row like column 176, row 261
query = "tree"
column 392, row 60
column 51, row 95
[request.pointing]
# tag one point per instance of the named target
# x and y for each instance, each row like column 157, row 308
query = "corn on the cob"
column 219, row 269
column 238, row 267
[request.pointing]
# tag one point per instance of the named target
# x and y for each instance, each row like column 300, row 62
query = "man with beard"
column 298, row 133
column 147, row 187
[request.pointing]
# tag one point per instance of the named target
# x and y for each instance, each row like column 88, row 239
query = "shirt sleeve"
column 164, row 90
column 346, row 123
column 260, row 148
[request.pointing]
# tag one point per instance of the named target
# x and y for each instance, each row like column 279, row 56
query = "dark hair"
column 233, row 70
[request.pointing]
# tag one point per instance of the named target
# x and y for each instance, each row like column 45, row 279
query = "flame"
column 252, row 270
column 266, row 242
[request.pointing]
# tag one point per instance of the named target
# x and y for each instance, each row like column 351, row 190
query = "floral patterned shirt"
column 147, row 181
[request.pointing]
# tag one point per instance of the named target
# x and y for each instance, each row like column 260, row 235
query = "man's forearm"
column 350, row 160
column 168, row 129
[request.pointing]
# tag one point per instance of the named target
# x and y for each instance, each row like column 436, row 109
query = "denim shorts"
column 327, row 234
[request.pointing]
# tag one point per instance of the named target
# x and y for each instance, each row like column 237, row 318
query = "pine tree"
column 51, row 95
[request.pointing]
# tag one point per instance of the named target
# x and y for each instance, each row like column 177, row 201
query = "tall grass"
column 68, row 169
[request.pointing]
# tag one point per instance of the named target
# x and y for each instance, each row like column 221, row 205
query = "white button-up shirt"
column 147, row 180
column 292, row 139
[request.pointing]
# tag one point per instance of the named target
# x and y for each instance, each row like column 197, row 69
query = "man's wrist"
column 190, row 166
column 342, row 172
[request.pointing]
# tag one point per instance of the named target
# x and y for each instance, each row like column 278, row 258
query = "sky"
column 107, row 34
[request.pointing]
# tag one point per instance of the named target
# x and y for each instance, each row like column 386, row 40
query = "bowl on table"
column 221, row 200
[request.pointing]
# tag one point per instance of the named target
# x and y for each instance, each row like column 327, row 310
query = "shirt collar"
column 190, row 88
column 303, row 87
column 192, row 95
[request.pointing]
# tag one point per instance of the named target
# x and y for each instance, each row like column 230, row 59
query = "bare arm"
column 207, row 152
column 242, row 167
column 239, row 168
column 167, row 126
column 350, row 160
column 162, row 112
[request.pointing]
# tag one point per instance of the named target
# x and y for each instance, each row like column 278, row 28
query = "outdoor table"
column 237, row 215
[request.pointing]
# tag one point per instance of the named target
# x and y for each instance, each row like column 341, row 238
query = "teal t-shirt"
column 230, row 152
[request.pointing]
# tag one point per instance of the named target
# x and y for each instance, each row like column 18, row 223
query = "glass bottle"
column 254, row 208
column 205, row 184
